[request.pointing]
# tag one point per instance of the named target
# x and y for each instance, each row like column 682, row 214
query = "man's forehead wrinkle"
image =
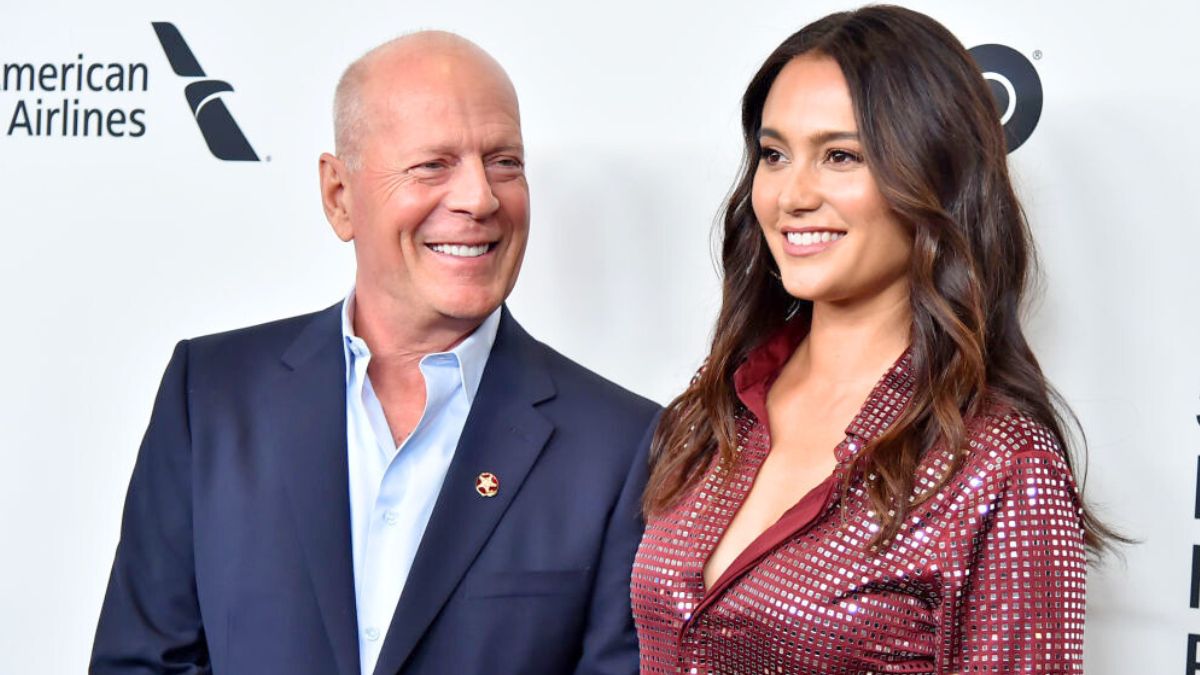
column 423, row 76
column 397, row 109
column 441, row 79
column 402, row 66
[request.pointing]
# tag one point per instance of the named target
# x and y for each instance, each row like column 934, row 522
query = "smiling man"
column 405, row 482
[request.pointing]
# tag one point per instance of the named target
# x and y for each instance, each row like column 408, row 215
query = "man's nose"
column 800, row 191
column 471, row 191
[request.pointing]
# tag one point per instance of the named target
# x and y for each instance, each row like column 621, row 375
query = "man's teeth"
column 810, row 238
column 461, row 251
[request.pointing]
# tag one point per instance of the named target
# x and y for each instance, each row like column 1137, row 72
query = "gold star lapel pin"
column 487, row 484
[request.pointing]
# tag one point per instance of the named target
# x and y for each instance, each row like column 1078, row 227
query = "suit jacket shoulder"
column 604, row 396
column 599, row 415
column 245, row 350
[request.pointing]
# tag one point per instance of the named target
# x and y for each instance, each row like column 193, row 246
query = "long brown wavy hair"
column 934, row 143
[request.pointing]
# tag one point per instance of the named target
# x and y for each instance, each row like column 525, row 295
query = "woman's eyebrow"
column 818, row 138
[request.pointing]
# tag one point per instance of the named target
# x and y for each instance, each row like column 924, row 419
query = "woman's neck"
column 855, row 342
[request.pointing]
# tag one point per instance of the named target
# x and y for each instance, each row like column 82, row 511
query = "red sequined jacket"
column 987, row 576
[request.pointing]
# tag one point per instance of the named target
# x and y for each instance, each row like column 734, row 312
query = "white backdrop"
column 114, row 248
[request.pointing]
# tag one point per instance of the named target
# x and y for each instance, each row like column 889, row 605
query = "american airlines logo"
column 221, row 132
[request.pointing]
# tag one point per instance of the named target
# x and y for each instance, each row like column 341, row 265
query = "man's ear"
column 335, row 187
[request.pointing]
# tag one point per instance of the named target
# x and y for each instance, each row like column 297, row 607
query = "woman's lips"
column 810, row 242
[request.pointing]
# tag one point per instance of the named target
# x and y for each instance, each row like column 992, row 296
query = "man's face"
column 439, row 206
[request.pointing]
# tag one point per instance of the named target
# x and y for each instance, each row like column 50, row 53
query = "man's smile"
column 462, row 250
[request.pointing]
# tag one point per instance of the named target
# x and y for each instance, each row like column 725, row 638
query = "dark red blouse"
column 985, row 577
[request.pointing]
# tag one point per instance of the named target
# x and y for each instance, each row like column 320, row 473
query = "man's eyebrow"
column 508, row 147
column 450, row 149
column 819, row 138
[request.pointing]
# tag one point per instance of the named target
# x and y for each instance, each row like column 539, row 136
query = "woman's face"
column 829, row 229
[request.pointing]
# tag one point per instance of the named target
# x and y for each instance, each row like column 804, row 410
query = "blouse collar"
column 890, row 396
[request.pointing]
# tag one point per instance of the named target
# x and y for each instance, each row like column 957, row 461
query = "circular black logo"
column 1015, row 86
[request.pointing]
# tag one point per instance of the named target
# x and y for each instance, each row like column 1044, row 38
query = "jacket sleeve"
column 1015, row 602
column 150, row 620
column 610, row 644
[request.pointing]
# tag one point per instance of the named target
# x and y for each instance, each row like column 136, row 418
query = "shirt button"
column 372, row 634
column 390, row 517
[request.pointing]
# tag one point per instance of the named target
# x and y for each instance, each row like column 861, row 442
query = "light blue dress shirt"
column 393, row 489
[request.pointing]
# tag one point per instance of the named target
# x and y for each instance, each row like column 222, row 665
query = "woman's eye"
column 771, row 157
column 842, row 157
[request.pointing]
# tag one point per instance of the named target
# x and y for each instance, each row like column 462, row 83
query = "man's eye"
column 842, row 157
column 508, row 163
column 434, row 165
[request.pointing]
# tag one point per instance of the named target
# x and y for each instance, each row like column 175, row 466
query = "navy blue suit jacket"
column 235, row 552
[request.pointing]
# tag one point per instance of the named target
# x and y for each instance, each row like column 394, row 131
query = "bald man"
column 405, row 482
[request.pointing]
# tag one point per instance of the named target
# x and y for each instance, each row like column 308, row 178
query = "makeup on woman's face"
column 828, row 226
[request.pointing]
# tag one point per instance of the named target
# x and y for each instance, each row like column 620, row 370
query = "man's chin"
column 470, row 309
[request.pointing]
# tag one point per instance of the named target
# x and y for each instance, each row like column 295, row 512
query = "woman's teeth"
column 810, row 238
column 461, row 251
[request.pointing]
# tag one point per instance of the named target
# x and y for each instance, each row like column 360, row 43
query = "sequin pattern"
column 987, row 576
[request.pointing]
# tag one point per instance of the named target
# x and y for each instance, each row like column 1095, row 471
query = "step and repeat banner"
column 159, row 181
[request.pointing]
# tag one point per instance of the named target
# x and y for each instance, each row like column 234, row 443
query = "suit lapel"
column 310, row 411
column 503, row 435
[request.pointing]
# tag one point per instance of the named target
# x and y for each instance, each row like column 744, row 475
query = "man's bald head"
column 415, row 61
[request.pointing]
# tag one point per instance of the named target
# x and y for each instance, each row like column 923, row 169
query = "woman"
column 868, row 475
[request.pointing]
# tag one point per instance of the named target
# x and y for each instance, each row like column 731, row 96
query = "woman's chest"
column 813, row 599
